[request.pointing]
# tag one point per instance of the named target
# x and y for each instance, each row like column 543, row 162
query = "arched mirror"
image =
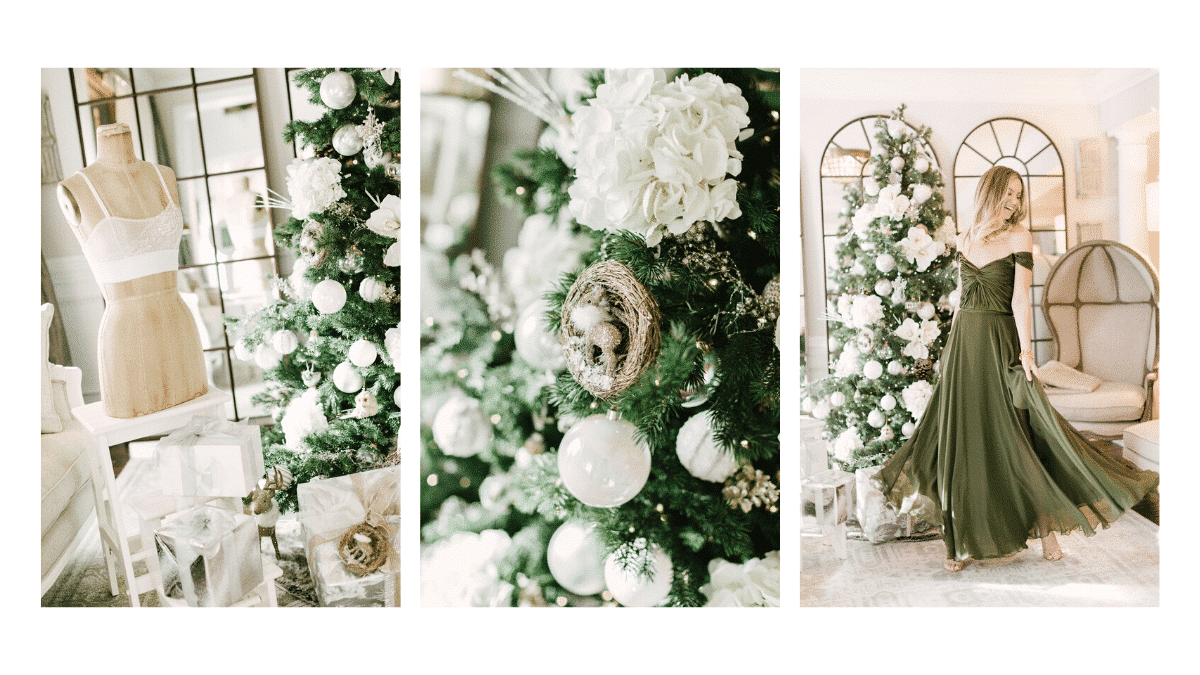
column 843, row 164
column 1026, row 149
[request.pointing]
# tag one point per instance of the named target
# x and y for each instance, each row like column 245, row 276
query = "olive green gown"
column 1000, row 465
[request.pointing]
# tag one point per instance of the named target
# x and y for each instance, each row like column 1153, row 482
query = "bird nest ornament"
column 609, row 331
column 364, row 548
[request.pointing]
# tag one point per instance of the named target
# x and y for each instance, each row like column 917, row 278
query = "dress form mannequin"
column 149, row 348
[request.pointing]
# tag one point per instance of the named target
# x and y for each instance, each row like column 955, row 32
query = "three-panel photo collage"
column 669, row 337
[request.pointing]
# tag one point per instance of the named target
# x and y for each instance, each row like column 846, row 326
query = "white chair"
column 1101, row 301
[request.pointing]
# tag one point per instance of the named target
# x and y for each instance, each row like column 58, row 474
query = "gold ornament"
column 750, row 487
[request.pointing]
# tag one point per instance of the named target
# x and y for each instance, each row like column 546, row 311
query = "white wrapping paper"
column 209, row 557
column 329, row 507
column 209, row 457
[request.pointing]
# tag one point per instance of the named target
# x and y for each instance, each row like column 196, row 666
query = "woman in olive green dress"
column 998, row 463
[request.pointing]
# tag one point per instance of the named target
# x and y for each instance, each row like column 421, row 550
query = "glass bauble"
column 328, row 296
column 634, row 590
column 347, row 141
column 284, row 341
column 603, row 462
column 460, row 427
column 338, row 89
column 535, row 342
column 576, row 557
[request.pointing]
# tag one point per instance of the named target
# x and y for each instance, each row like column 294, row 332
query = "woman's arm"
column 1022, row 242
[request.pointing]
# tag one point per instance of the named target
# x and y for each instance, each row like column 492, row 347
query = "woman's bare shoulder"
column 1020, row 240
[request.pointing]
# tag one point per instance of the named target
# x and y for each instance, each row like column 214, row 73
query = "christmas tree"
column 329, row 347
column 615, row 439
column 895, row 275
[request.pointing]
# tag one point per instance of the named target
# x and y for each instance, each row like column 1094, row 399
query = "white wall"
column 1065, row 104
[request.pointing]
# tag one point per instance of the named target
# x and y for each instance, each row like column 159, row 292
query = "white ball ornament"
column 535, row 342
column 699, row 452
column 922, row 193
column 266, row 357
column 242, row 351
column 460, row 427
column 837, row 399
column 897, row 163
column 884, row 263
column 371, row 289
column 346, row 378
column 921, row 165
column 888, row 402
column 876, row 418
column 329, row 296
column 873, row 370
column 602, row 461
column 821, row 410
column 396, row 397
column 894, row 368
column 926, row 310
column 347, row 141
column 883, row 287
column 576, row 557
column 632, row 589
column 338, row 89
column 908, row 429
column 808, row 404
column 362, row 352
column 284, row 341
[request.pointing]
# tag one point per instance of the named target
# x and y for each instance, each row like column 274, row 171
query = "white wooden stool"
column 832, row 486
column 105, row 432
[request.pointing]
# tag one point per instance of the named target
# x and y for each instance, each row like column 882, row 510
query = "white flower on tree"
column 919, row 248
column 866, row 310
column 916, row 397
column 314, row 185
column 653, row 156
column 385, row 219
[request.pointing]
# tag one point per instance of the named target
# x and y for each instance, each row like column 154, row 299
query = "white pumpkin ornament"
column 371, row 289
column 266, row 357
column 700, row 454
column 576, row 557
column 602, row 462
column 284, row 341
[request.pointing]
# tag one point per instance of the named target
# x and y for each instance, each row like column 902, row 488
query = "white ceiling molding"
column 1083, row 86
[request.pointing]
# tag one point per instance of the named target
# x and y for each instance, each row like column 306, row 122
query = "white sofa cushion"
column 1061, row 376
column 1141, row 444
column 64, row 470
column 1109, row 402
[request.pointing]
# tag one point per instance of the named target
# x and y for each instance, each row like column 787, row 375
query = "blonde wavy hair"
column 988, row 197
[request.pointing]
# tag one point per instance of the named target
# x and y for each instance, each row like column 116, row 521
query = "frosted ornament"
column 876, row 418
column 346, row 378
column 602, row 462
column 894, row 368
column 873, row 370
column 329, row 296
column 396, row 397
column 921, row 165
column 362, row 353
column 535, row 343
column 699, row 452
column 908, row 429
column 371, row 289
column 888, row 402
column 460, row 427
column 347, row 141
column 338, row 89
column 284, row 341
column 885, row 263
column 897, row 163
column 883, row 287
column 392, row 257
column 242, row 351
column 266, row 357
column 576, row 557
column 821, row 410
column 633, row 590
column 925, row 310
column 837, row 399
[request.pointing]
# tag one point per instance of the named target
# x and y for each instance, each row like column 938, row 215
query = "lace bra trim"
column 120, row 248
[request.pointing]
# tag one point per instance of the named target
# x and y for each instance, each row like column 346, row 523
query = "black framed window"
column 1023, row 147
column 204, row 124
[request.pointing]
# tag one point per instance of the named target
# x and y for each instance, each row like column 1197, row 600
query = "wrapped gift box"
column 331, row 506
column 210, row 458
column 208, row 556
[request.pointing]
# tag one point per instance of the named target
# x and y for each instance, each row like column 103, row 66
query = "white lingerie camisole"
column 120, row 249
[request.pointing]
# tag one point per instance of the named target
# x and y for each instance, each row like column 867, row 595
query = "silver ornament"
column 338, row 89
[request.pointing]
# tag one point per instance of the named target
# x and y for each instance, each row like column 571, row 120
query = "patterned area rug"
column 84, row 581
column 1117, row 567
